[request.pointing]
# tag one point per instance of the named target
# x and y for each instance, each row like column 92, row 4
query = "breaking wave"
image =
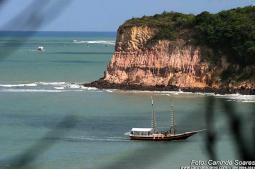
column 56, row 87
column 50, row 87
column 103, row 42
column 238, row 97
column 31, row 90
column 18, row 85
column 230, row 97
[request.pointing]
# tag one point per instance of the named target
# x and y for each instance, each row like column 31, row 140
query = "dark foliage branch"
column 245, row 152
column 211, row 133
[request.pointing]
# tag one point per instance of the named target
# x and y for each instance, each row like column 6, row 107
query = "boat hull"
column 181, row 136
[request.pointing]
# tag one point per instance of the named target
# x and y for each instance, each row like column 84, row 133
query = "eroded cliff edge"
column 142, row 61
column 138, row 61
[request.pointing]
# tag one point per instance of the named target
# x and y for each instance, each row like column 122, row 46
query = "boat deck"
column 163, row 137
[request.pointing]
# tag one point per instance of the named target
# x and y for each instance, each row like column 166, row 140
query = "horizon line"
column 54, row 31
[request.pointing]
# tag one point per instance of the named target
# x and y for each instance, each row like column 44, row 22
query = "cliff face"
column 172, row 51
column 138, row 60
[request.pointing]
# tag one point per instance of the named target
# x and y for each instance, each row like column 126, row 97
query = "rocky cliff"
column 142, row 62
column 139, row 61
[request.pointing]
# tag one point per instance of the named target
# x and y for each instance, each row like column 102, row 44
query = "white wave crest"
column 109, row 91
column 230, row 97
column 59, row 88
column 238, row 98
column 18, row 85
column 69, row 86
column 104, row 42
column 89, row 88
column 51, row 83
column 46, row 87
column 74, row 86
column 31, row 90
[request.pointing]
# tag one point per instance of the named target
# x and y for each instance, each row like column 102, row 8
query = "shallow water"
column 39, row 89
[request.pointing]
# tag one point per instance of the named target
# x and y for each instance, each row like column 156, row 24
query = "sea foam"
column 75, row 87
column 18, row 85
column 31, row 90
column 45, row 87
column 230, row 97
column 103, row 42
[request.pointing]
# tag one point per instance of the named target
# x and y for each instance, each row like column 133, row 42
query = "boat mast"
column 153, row 118
column 172, row 121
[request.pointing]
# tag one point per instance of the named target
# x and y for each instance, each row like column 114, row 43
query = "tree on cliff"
column 231, row 32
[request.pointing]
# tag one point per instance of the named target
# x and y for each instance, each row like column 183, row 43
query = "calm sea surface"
column 40, row 89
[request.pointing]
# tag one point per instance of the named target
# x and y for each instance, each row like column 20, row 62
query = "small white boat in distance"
column 40, row 48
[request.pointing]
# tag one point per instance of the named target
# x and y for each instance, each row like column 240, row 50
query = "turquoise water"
column 39, row 89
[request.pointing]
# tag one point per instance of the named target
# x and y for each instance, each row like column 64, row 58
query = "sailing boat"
column 154, row 134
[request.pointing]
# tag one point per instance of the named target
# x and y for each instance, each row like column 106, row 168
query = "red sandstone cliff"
column 140, row 61
column 144, row 62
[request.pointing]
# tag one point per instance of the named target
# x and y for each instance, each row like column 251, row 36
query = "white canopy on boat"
column 142, row 129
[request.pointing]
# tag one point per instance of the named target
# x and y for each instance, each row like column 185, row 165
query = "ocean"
column 48, row 117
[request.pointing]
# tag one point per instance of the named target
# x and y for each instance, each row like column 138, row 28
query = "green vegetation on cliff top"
column 230, row 32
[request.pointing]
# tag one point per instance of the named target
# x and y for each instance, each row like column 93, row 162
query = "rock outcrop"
column 139, row 60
